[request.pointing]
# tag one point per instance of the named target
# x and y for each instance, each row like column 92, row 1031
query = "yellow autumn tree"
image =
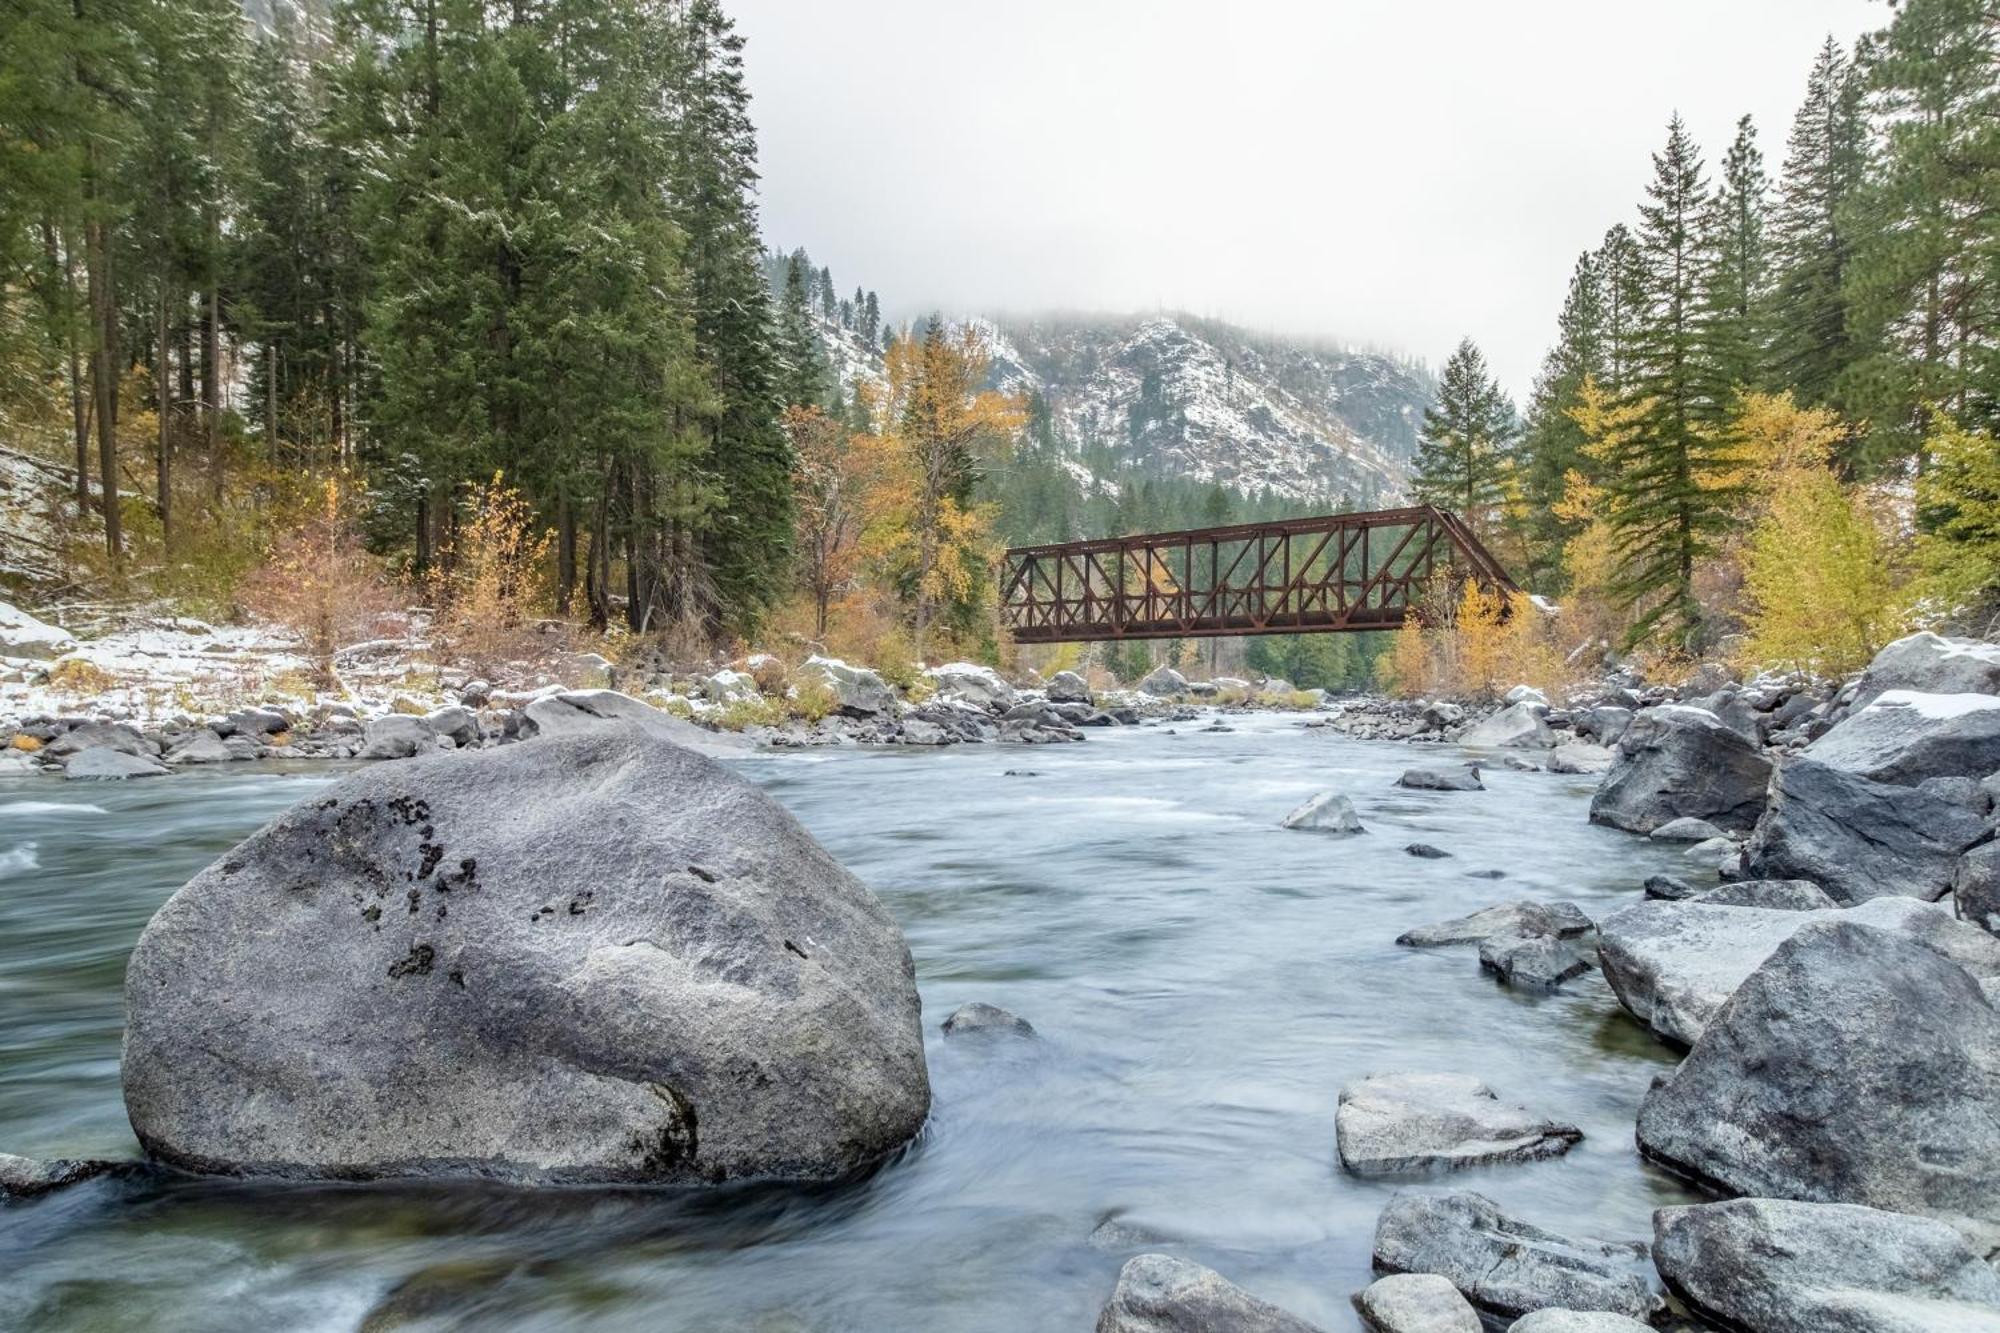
column 1958, row 505
column 319, row 580
column 489, row 585
column 1822, row 593
column 1591, row 560
column 939, row 425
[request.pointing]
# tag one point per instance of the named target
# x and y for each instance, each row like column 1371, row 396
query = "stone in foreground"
column 1537, row 962
column 1522, row 917
column 980, row 1017
column 1328, row 812
column 1402, row 1124
column 597, row 958
column 1507, row 1267
column 1857, row 838
column 1856, row 1066
column 32, row 1177
column 1677, row 762
column 1415, row 1303
column 1157, row 1293
column 1441, row 779
column 1776, row 1266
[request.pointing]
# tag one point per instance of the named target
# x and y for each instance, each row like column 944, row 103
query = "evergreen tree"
column 805, row 382
column 1735, row 290
column 1621, row 295
column 1551, row 441
column 1462, row 458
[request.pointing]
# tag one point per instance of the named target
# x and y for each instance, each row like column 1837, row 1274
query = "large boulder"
column 1904, row 737
column 1581, row 757
column 1398, row 1124
column 1778, row 1266
column 1857, row 838
column 1157, row 1293
column 397, row 736
column 861, row 692
column 1506, row 1266
column 968, row 682
column 21, row 635
column 1520, row 726
column 595, row 712
column 1415, row 1303
column 586, row 958
column 115, row 736
column 1855, row 1066
column 1163, row 682
column 1067, row 687
column 1676, row 762
column 1463, row 778
column 106, row 764
column 1933, row 664
column 1675, row 964
column 1975, row 887
column 1328, row 812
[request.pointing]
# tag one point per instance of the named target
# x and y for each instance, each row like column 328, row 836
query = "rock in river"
column 1157, row 1293
column 30, row 1177
column 1537, row 962
column 398, row 736
column 588, row 958
column 1415, row 1303
column 980, row 1017
column 1857, row 838
column 1776, row 1266
column 1441, row 779
column 1675, row 761
column 1522, row 917
column 1520, row 726
column 1397, row 1124
column 1506, row 1266
column 1328, row 812
column 1855, row 1066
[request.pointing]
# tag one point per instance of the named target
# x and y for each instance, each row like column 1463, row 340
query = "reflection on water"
column 1203, row 981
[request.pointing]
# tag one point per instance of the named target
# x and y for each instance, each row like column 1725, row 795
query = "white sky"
column 1390, row 173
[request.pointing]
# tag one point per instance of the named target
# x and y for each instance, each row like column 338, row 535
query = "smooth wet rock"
column 1676, row 762
column 1669, row 887
column 1522, row 917
column 32, row 1177
column 1537, row 962
column 1673, row 965
column 1402, row 1124
column 1520, row 726
column 1778, row 1266
column 397, row 736
column 1157, row 1293
column 1904, row 738
column 1855, row 1066
column 595, row 958
column 1933, row 664
column 1067, row 687
column 1857, row 838
column 1441, row 779
column 1780, row 895
column 1685, row 830
column 1163, row 682
column 108, row 765
column 1424, row 851
column 1507, row 1267
column 1328, row 812
column 980, row 1017
column 1581, row 757
column 1415, row 1303
column 1576, row 1321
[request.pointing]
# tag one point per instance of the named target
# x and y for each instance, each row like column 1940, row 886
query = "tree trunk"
column 211, row 372
column 423, row 533
column 164, row 405
column 103, row 355
column 62, row 274
column 271, row 401
column 565, row 548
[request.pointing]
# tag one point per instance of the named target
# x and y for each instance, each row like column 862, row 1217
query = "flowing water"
column 1203, row 982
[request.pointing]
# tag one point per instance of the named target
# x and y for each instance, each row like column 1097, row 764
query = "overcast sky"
column 1391, row 173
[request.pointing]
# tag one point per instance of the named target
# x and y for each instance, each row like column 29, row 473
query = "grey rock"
column 398, row 736
column 1904, row 738
column 456, row 721
column 980, row 1017
column 1783, row 895
column 1668, row 887
column 1415, row 1303
column 1674, row 965
column 1856, row 838
column 1975, row 887
column 255, row 723
column 1606, row 723
column 1676, row 761
column 1779, row 1266
column 1328, row 812
column 200, row 746
column 862, row 693
column 1855, row 1066
column 474, row 693
column 242, row 747
column 1685, row 830
column 1522, row 917
column 1157, row 1293
column 1576, row 1321
column 590, row 712
column 1968, row 792
column 1441, row 779
column 1507, row 1267
column 1520, row 726
column 1067, row 687
column 109, row 765
column 113, row 736
column 1537, row 962
column 1441, row 716
column 969, row 682
column 1401, row 1124
column 586, row 958
column 22, row 635
column 31, row 1177
column 1424, row 851
column 1580, row 757
column 1933, row 664
column 1163, row 682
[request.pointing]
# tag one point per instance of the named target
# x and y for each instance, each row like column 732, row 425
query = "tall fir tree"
column 1621, row 296
column 1551, row 441
column 1462, row 456
column 1735, row 295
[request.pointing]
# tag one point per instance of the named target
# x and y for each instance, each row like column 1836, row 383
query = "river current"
column 1202, row 980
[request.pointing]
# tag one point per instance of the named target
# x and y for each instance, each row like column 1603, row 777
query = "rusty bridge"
column 1290, row 576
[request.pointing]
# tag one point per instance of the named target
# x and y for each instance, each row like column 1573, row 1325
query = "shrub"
column 78, row 675
column 319, row 582
column 812, row 700
column 488, row 584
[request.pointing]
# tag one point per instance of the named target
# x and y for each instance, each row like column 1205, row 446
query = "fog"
column 1398, row 175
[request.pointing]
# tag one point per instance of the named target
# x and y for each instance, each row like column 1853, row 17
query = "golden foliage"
column 1817, row 574
column 1958, row 503
column 319, row 582
column 1475, row 644
column 489, row 584
column 77, row 675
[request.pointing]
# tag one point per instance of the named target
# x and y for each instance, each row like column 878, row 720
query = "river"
column 1203, row 981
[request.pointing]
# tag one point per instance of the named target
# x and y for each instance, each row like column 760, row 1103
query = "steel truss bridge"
column 1339, row 572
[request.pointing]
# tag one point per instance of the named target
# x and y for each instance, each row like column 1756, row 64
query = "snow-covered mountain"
column 1203, row 400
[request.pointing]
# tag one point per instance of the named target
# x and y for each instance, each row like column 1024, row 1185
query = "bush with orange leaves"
column 1470, row 642
column 320, row 582
column 488, row 587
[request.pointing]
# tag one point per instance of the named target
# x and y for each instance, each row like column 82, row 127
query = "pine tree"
column 1735, row 290
column 1620, row 297
column 805, row 383
column 1462, row 457
column 1551, row 441
column 1813, row 351
column 871, row 319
